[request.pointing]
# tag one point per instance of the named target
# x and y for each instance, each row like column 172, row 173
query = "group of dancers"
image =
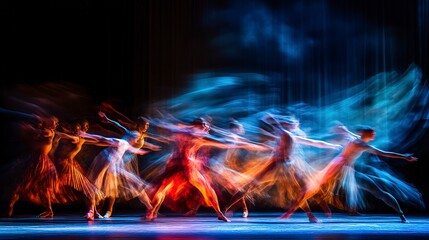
column 199, row 164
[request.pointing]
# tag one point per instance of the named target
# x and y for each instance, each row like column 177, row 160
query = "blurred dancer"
column 280, row 168
column 340, row 172
column 108, row 172
column 229, row 168
column 183, row 168
column 39, row 181
column 69, row 170
column 130, row 158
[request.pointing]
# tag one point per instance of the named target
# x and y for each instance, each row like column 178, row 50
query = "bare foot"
column 47, row 214
column 313, row 220
column 222, row 217
column 245, row 213
column 286, row 215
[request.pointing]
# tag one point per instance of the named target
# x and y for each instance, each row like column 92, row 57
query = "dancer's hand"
column 103, row 116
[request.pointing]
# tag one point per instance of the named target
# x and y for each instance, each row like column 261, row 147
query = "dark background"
column 135, row 53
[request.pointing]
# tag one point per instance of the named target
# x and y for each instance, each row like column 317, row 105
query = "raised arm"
column 109, row 108
column 407, row 156
column 116, row 124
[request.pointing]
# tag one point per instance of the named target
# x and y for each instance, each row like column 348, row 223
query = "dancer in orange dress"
column 70, row 172
column 39, row 181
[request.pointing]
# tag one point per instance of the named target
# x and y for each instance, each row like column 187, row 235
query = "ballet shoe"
column 108, row 214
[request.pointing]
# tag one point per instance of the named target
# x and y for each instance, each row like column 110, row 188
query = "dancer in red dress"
column 183, row 168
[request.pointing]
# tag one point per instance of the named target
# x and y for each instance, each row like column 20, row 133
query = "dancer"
column 130, row 158
column 228, row 170
column 39, row 182
column 108, row 172
column 69, row 170
column 280, row 168
column 221, row 175
column 183, row 169
column 340, row 172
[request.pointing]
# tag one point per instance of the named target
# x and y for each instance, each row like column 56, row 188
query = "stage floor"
column 207, row 227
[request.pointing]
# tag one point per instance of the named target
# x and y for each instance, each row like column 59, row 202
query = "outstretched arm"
column 316, row 143
column 253, row 146
column 221, row 143
column 67, row 136
column 151, row 146
column 97, row 139
column 136, row 150
column 407, row 156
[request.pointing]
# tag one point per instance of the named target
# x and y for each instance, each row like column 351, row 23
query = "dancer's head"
column 142, row 124
column 366, row 133
column 289, row 123
column 50, row 122
column 84, row 125
column 201, row 124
